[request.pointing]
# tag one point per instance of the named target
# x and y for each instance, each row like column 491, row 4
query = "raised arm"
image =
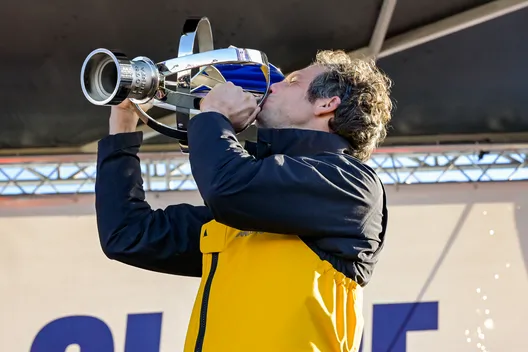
column 311, row 196
column 130, row 231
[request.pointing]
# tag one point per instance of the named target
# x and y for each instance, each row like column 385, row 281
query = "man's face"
column 287, row 105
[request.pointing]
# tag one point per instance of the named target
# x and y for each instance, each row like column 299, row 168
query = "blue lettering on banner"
column 143, row 332
column 93, row 335
column 391, row 322
column 90, row 333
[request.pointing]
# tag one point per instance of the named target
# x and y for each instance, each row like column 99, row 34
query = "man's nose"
column 274, row 87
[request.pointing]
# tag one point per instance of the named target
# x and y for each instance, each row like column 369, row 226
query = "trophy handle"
column 194, row 30
column 197, row 38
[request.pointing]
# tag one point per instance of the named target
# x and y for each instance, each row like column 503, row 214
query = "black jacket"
column 291, row 181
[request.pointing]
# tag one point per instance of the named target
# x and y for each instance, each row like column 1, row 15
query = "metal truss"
column 380, row 47
column 494, row 166
column 171, row 172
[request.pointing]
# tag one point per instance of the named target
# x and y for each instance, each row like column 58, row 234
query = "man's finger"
column 147, row 106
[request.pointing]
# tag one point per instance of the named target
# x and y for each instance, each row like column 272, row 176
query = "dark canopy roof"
column 467, row 86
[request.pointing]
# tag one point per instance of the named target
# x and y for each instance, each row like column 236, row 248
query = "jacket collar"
column 294, row 142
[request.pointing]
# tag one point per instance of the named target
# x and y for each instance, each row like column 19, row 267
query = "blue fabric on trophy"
column 249, row 77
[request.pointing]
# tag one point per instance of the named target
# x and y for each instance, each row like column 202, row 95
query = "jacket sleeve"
column 130, row 231
column 278, row 194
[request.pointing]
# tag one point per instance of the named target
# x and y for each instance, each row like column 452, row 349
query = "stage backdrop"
column 453, row 277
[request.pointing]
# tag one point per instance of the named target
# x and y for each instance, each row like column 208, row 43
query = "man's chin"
column 259, row 121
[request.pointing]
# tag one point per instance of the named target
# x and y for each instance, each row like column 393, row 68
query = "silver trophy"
column 109, row 77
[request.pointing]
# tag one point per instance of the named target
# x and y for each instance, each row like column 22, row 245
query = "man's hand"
column 124, row 117
column 231, row 101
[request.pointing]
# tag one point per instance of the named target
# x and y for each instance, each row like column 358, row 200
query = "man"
column 292, row 226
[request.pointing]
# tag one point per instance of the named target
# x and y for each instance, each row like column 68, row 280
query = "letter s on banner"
column 90, row 333
column 93, row 335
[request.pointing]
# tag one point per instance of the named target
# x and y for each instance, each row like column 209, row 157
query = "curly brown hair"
column 366, row 106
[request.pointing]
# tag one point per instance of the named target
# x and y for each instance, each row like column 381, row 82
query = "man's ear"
column 326, row 106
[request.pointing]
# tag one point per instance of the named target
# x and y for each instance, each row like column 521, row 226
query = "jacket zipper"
column 205, row 302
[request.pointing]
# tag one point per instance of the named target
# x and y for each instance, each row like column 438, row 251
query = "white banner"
column 453, row 277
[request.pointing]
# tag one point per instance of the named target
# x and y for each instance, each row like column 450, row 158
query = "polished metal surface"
column 108, row 78
column 177, row 84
